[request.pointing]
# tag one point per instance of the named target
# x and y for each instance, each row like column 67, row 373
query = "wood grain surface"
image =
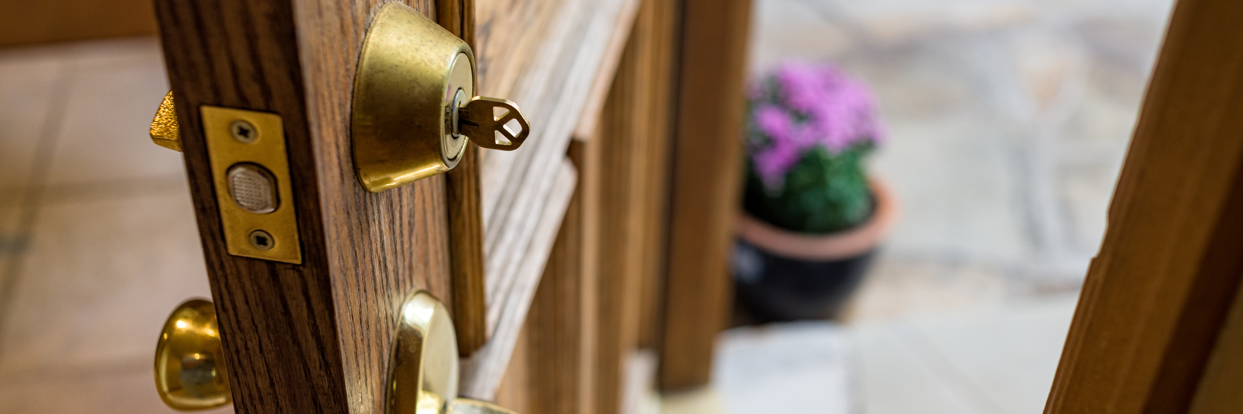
column 659, row 20
column 465, row 213
column 483, row 371
column 621, row 138
column 1160, row 289
column 707, row 174
column 315, row 337
column 551, row 91
column 552, row 370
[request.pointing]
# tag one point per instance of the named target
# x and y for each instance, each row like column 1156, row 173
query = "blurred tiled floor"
column 97, row 236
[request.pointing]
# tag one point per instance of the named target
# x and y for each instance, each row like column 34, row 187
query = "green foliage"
column 823, row 193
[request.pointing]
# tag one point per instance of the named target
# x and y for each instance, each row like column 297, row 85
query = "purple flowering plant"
column 810, row 128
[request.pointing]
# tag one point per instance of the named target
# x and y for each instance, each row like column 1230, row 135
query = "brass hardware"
column 190, row 372
column 164, row 129
column 261, row 240
column 243, row 132
column 414, row 102
column 423, row 368
column 254, row 192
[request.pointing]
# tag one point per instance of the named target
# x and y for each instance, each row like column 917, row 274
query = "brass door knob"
column 423, row 367
column 190, row 373
column 415, row 102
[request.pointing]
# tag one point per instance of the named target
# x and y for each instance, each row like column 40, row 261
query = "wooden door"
column 1160, row 320
column 315, row 336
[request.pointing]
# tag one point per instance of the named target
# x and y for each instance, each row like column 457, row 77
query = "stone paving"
column 1008, row 121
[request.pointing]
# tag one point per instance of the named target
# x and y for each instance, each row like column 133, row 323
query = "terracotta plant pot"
column 783, row 275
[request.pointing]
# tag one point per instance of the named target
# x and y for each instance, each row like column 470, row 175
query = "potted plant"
column 813, row 218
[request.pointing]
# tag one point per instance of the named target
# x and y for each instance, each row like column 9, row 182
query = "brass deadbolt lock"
column 415, row 102
column 423, row 368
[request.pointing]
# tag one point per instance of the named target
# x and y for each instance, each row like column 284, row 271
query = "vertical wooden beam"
column 622, row 142
column 1159, row 291
column 465, row 211
column 659, row 25
column 706, row 182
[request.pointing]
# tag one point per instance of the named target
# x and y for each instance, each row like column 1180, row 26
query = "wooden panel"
column 508, row 34
column 518, row 210
column 26, row 22
column 552, row 93
column 551, row 371
column 483, row 371
column 619, row 252
column 1160, row 289
column 313, row 337
column 707, row 178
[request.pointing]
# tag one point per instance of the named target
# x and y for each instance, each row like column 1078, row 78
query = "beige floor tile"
column 792, row 29
column 1008, row 354
column 705, row 400
column 97, row 281
column 896, row 287
column 128, row 392
column 893, row 377
column 798, row 367
column 111, row 99
column 28, row 81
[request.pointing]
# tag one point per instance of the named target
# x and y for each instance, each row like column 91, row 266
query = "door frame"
column 1148, row 331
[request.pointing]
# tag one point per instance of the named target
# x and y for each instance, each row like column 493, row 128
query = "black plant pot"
column 778, row 288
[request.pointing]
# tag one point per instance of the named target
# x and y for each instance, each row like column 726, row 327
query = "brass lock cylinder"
column 414, row 103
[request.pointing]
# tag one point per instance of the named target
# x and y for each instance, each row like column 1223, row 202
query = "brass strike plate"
column 250, row 170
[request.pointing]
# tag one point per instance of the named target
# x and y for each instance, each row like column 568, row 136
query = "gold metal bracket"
column 250, row 171
column 414, row 102
column 423, row 368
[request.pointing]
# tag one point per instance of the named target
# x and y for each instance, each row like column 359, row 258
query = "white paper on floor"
column 800, row 367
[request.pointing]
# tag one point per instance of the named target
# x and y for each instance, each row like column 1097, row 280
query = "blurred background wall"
column 24, row 22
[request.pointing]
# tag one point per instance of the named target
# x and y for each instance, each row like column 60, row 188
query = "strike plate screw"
column 244, row 132
column 261, row 240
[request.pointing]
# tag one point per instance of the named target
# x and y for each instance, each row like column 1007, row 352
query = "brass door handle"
column 190, row 373
column 414, row 104
column 423, row 367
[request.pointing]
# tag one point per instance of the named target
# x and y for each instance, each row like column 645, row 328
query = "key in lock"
column 415, row 103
